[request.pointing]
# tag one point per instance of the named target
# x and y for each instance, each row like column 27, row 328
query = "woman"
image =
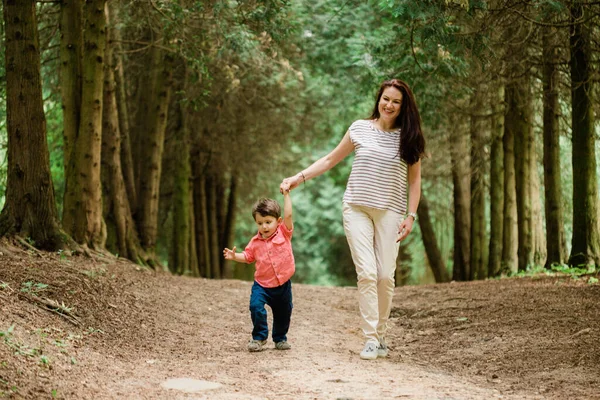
column 380, row 202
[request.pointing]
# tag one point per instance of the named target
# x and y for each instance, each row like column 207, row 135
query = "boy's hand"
column 229, row 254
column 289, row 183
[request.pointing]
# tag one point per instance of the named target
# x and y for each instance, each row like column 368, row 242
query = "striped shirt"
column 379, row 177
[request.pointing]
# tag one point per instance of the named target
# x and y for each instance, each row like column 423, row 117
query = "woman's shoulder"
column 361, row 124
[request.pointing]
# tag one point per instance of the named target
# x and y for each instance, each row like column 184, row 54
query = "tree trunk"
column 510, row 239
column 213, row 231
column 537, row 219
column 82, row 216
column 438, row 266
column 126, row 153
column 122, row 236
column 180, row 256
column 585, row 247
column 202, row 229
column 556, row 247
column 496, row 186
column 194, row 265
column 462, row 201
column 524, row 140
column 30, row 210
column 478, row 269
column 229, row 231
column 71, row 52
column 151, row 163
column 144, row 103
column 221, row 204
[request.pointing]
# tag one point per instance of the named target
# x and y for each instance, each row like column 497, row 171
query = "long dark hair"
column 412, row 142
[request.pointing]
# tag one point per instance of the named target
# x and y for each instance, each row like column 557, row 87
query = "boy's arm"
column 287, row 210
column 232, row 255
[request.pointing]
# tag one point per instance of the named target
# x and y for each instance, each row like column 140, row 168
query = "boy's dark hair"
column 266, row 207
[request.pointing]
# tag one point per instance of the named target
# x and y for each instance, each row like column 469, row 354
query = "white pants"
column 372, row 235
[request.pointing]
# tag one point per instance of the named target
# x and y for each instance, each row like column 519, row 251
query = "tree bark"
column 496, row 185
column 478, row 269
column 30, row 210
column 213, row 229
column 202, row 229
column 123, row 110
column 510, row 239
column 151, row 163
column 585, row 247
column 229, row 225
column 524, row 140
column 82, row 216
column 556, row 247
column 537, row 219
column 122, row 236
column 462, row 201
column 194, row 265
column 434, row 255
column 180, row 256
column 71, row 52
column 144, row 107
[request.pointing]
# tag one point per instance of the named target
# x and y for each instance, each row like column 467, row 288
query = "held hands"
column 229, row 254
column 290, row 183
column 405, row 228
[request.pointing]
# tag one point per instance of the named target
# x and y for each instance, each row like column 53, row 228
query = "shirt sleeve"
column 249, row 252
column 352, row 131
column 286, row 232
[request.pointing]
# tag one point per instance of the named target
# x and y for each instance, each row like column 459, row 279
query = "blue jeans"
column 280, row 300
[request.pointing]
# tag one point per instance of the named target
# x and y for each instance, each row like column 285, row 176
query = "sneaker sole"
column 362, row 357
column 255, row 350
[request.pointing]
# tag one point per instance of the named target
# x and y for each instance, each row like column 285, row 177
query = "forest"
column 146, row 129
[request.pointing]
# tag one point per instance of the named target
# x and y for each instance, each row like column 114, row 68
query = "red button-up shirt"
column 274, row 257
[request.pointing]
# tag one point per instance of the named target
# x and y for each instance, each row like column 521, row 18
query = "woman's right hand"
column 290, row 183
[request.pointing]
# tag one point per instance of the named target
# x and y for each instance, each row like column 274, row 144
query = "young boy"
column 271, row 249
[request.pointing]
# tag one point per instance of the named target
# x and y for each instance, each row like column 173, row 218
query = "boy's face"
column 267, row 225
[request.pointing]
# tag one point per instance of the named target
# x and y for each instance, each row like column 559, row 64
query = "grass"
column 33, row 287
column 581, row 272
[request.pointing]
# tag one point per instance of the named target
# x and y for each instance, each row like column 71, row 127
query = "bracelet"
column 303, row 177
column 412, row 214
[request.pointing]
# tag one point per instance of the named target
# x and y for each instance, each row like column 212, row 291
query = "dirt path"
column 140, row 329
column 200, row 331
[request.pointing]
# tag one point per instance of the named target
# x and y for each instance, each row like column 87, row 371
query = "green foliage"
column 44, row 361
column 587, row 273
column 574, row 271
column 18, row 347
column 33, row 287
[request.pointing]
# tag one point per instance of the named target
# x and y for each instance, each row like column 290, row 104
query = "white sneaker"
column 256, row 345
column 369, row 352
column 382, row 350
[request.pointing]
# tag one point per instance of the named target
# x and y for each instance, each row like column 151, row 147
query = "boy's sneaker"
column 256, row 345
column 382, row 350
column 369, row 352
column 283, row 345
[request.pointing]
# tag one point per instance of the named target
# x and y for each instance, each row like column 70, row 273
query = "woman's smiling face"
column 390, row 103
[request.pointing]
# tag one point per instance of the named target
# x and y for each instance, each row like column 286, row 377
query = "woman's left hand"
column 405, row 228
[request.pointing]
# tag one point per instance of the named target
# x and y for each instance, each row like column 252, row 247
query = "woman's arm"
column 414, row 196
column 322, row 165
